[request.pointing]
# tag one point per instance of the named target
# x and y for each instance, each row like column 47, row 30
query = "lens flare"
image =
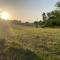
column 5, row 15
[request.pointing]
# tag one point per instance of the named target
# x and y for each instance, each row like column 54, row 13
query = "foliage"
column 52, row 19
column 58, row 4
column 15, row 53
column 36, row 24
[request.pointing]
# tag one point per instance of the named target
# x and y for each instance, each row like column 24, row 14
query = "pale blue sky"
column 27, row 10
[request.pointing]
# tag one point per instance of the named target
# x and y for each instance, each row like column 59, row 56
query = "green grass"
column 44, row 42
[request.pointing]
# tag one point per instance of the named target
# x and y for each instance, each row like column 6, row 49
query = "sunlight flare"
column 5, row 15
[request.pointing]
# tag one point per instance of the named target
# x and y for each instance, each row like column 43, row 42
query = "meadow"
column 27, row 43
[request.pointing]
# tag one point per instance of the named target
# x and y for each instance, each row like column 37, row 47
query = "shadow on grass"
column 21, row 54
column 15, row 53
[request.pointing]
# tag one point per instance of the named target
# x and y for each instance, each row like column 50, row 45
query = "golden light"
column 5, row 15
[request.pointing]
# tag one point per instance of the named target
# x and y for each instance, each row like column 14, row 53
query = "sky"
column 27, row 10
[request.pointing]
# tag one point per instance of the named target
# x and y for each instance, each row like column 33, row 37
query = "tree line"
column 50, row 19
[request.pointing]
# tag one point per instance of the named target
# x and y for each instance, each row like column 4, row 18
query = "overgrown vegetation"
column 18, row 42
column 52, row 19
column 30, row 44
column 13, row 52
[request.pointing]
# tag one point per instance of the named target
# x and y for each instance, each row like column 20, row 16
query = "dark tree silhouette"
column 44, row 16
column 36, row 24
column 58, row 4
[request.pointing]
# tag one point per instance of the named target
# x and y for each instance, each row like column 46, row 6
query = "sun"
column 5, row 15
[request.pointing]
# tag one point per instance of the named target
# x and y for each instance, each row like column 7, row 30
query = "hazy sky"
column 27, row 10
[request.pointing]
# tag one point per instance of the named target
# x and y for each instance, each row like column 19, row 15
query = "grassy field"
column 30, row 43
column 44, row 42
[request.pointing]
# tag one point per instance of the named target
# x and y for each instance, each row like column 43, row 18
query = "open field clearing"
column 44, row 42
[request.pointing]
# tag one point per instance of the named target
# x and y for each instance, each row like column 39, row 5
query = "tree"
column 36, row 24
column 44, row 16
column 52, row 19
column 58, row 4
column 16, row 22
